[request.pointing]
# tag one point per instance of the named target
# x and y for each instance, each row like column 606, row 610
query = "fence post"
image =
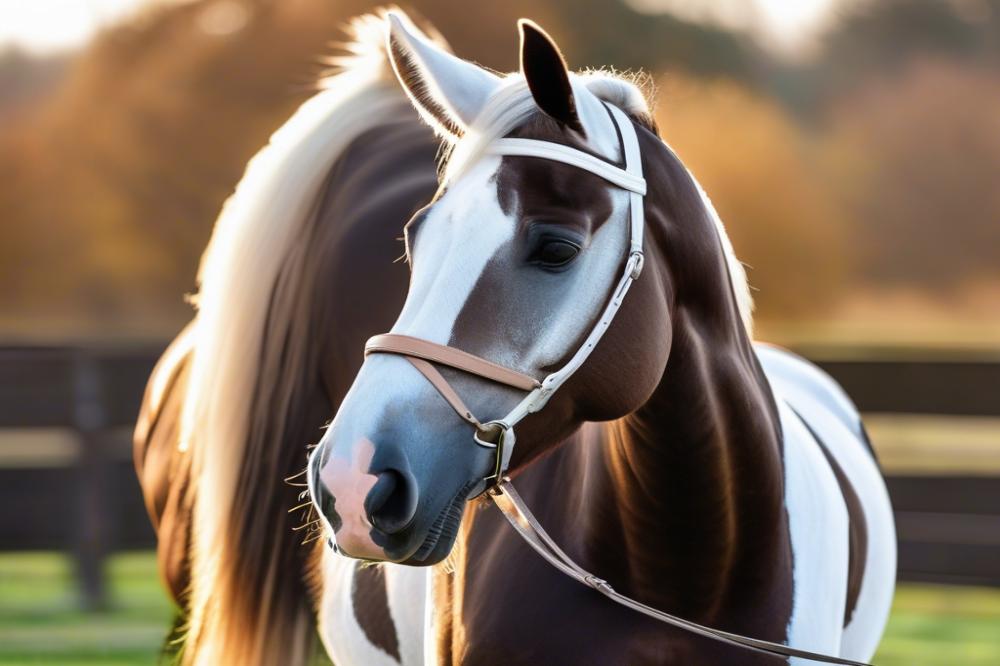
column 90, row 421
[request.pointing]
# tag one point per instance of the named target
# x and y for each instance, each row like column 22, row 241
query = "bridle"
column 499, row 434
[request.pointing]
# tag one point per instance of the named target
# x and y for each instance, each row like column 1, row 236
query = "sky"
column 44, row 26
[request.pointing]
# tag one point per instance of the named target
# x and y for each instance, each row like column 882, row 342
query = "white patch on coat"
column 512, row 104
column 466, row 228
column 408, row 590
column 828, row 411
column 818, row 526
column 453, row 246
column 342, row 636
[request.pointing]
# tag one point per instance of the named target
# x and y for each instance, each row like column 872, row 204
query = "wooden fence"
column 85, row 500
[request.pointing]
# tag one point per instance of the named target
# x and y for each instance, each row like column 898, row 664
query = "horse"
column 696, row 473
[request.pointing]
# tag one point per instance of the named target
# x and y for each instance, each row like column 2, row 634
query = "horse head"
column 513, row 263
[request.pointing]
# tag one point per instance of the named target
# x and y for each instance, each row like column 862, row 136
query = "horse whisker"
column 296, row 475
column 305, row 525
column 313, row 536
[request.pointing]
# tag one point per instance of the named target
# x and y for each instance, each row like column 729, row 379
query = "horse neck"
column 696, row 476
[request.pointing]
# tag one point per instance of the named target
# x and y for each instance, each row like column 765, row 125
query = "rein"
column 499, row 434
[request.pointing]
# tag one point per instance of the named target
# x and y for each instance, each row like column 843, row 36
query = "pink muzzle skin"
column 349, row 481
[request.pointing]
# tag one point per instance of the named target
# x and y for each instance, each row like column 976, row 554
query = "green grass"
column 40, row 622
column 937, row 625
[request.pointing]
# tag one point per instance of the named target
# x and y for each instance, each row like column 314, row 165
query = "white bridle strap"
column 557, row 152
column 630, row 178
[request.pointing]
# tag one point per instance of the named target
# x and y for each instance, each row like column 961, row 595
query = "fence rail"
column 88, row 502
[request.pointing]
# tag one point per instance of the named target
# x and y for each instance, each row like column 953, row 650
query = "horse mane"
column 246, row 604
column 632, row 92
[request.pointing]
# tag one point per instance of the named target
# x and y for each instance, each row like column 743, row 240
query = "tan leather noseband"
column 423, row 353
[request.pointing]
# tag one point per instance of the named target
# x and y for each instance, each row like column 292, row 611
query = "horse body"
column 726, row 482
column 502, row 592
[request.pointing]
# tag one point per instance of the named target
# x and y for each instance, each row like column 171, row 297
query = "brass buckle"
column 494, row 435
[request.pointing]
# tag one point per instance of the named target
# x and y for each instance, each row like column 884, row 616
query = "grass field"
column 39, row 623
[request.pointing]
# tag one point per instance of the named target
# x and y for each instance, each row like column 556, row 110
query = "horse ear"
column 447, row 91
column 544, row 69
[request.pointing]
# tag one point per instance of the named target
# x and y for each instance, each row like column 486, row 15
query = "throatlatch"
column 499, row 434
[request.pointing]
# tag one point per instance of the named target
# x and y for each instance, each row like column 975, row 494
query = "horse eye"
column 556, row 253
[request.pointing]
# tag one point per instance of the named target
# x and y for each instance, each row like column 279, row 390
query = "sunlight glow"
column 44, row 26
column 782, row 25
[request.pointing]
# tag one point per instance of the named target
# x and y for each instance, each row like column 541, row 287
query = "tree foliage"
column 114, row 163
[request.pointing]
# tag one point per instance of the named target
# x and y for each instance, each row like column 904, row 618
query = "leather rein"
column 499, row 434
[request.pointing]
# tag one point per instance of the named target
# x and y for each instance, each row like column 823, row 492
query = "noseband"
column 499, row 434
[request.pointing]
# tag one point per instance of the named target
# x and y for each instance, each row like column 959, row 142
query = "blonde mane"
column 254, row 234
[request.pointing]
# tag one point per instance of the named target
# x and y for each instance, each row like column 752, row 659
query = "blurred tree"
column 614, row 34
column 758, row 168
column 114, row 164
column 24, row 78
column 885, row 34
column 877, row 39
column 916, row 161
column 121, row 171
column 112, row 181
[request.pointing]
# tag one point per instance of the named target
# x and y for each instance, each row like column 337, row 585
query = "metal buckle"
column 497, row 433
column 599, row 584
column 640, row 260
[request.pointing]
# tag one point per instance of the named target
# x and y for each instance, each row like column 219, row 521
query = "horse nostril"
column 392, row 501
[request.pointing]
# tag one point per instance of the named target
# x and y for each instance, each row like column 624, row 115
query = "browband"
column 557, row 152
